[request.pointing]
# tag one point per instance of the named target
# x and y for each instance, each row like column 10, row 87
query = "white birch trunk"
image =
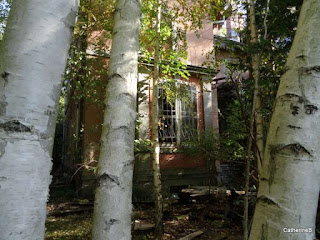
column 157, row 186
column 113, row 200
column 289, row 183
column 32, row 61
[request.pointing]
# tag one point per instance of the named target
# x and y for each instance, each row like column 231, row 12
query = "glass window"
column 178, row 121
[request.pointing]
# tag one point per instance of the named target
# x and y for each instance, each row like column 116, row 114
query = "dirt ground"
column 185, row 219
column 217, row 217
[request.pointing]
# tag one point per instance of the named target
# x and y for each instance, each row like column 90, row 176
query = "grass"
column 78, row 227
column 72, row 227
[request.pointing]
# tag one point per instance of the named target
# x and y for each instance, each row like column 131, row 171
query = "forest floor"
column 217, row 218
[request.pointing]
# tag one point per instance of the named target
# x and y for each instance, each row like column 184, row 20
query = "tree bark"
column 33, row 56
column 289, row 183
column 157, row 186
column 113, row 199
column 255, row 63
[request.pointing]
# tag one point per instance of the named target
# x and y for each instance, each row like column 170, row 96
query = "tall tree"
column 255, row 63
column 33, row 55
column 113, row 200
column 154, row 130
column 255, row 118
column 289, row 183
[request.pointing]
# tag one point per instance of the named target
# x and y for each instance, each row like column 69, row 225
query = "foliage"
column 174, row 90
column 215, row 147
column 281, row 24
column 4, row 13
column 60, row 116
column 86, row 76
column 142, row 146
column 281, row 27
column 173, row 50
column 176, row 19
column 195, row 11
column 172, row 41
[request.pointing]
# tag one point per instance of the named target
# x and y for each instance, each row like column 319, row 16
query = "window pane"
column 167, row 129
column 189, row 115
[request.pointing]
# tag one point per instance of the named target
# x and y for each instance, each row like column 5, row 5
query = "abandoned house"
column 180, row 121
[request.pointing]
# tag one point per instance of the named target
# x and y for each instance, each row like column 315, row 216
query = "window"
column 227, row 28
column 178, row 121
column 189, row 115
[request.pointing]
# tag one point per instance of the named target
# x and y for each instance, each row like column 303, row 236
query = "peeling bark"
column 113, row 199
column 33, row 55
column 290, row 172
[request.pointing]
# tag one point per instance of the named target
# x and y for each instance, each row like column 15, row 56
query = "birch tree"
column 289, row 183
column 113, row 204
column 33, row 55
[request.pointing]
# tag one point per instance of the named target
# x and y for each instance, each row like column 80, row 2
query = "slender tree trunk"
column 289, row 183
column 255, row 63
column 113, row 199
column 256, row 73
column 154, row 130
column 32, row 61
column 256, row 99
column 247, row 179
column 259, row 140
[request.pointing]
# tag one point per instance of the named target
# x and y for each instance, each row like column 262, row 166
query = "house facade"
column 179, row 121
